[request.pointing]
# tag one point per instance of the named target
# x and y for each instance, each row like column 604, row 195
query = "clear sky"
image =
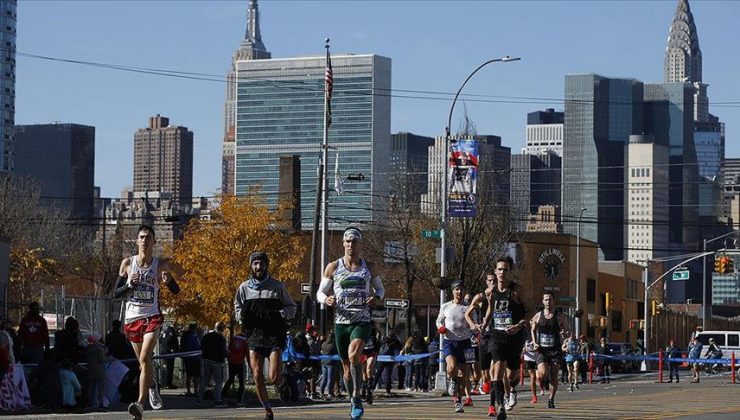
column 433, row 45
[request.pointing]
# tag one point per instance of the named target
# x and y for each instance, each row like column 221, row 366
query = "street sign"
column 681, row 275
column 431, row 234
column 567, row 298
column 306, row 288
column 397, row 303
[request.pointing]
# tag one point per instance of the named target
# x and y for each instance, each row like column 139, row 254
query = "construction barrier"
column 660, row 367
column 732, row 368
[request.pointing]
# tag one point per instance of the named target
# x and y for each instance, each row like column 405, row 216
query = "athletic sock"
column 356, row 374
column 349, row 386
column 498, row 389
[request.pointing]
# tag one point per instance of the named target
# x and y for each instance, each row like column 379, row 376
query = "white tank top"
column 143, row 301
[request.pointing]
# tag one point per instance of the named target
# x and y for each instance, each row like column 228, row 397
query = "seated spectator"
column 70, row 385
column 67, row 342
column 96, row 359
column 45, row 384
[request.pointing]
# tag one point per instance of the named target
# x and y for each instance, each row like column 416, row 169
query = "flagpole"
column 325, row 159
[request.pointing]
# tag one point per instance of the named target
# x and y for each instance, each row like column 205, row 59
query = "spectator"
column 314, row 348
column 70, row 385
column 213, row 346
column 7, row 357
column 713, row 352
column 33, row 334
column 695, row 347
column 584, row 351
column 96, row 359
column 328, row 366
column 419, row 346
column 673, row 352
column 604, row 364
column 67, row 342
column 237, row 355
column 433, row 361
column 45, row 384
column 408, row 366
column 390, row 347
column 189, row 341
column 170, row 345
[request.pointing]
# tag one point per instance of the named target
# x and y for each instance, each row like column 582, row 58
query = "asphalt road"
column 630, row 397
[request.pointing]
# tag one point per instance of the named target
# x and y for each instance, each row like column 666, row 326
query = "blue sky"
column 433, row 46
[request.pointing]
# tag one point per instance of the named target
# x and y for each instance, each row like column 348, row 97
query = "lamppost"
column 441, row 382
column 578, row 273
column 704, row 312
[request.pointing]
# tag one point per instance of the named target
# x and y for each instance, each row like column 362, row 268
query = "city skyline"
column 590, row 37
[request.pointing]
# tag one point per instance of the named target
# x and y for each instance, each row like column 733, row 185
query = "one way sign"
column 397, row 303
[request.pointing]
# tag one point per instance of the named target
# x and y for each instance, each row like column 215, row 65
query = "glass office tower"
column 280, row 111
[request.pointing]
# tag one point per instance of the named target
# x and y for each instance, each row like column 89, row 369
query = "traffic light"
column 730, row 265
column 608, row 302
column 718, row 265
column 653, row 308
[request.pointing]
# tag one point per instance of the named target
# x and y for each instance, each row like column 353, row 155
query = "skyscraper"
column 600, row 115
column 280, row 111
column 7, row 82
column 410, row 163
column 683, row 58
column 62, row 158
column 646, row 209
column 163, row 160
column 250, row 48
column 544, row 132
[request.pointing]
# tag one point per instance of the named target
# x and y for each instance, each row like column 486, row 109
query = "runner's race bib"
column 470, row 355
column 501, row 320
column 143, row 295
column 547, row 340
column 354, row 300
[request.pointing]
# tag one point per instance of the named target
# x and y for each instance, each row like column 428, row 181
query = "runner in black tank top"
column 546, row 328
column 505, row 318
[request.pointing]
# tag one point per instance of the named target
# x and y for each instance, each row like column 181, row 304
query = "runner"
column 530, row 365
column 475, row 370
column 139, row 281
column 506, row 318
column 457, row 350
column 479, row 305
column 546, row 328
column 347, row 285
column 571, row 348
column 263, row 305
column 368, row 359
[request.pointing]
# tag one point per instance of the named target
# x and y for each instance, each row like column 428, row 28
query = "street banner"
column 463, row 179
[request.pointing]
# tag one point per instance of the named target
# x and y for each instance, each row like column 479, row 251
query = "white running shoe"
column 452, row 389
column 511, row 401
column 155, row 400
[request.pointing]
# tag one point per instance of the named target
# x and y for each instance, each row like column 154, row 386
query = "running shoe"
column 491, row 411
column 580, row 388
column 459, row 407
column 501, row 414
column 511, row 401
column 369, row 398
column 136, row 409
column 357, row 410
column 269, row 415
column 468, row 402
column 534, row 399
column 452, row 388
column 155, row 400
column 550, row 403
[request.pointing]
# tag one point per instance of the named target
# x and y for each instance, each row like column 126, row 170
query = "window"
column 733, row 340
column 591, row 290
column 616, row 321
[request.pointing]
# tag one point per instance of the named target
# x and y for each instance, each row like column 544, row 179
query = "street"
column 633, row 396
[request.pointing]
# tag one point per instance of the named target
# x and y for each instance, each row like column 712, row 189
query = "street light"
column 704, row 312
column 578, row 273
column 441, row 382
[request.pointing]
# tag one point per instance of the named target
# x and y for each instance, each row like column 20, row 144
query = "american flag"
column 328, row 87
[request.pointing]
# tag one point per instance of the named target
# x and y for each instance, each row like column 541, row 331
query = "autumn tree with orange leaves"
column 214, row 255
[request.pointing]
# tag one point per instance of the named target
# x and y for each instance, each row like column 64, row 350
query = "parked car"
column 623, row 349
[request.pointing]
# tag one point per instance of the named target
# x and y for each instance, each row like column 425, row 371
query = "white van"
column 728, row 341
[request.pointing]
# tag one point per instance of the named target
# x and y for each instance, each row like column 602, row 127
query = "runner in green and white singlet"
column 348, row 286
